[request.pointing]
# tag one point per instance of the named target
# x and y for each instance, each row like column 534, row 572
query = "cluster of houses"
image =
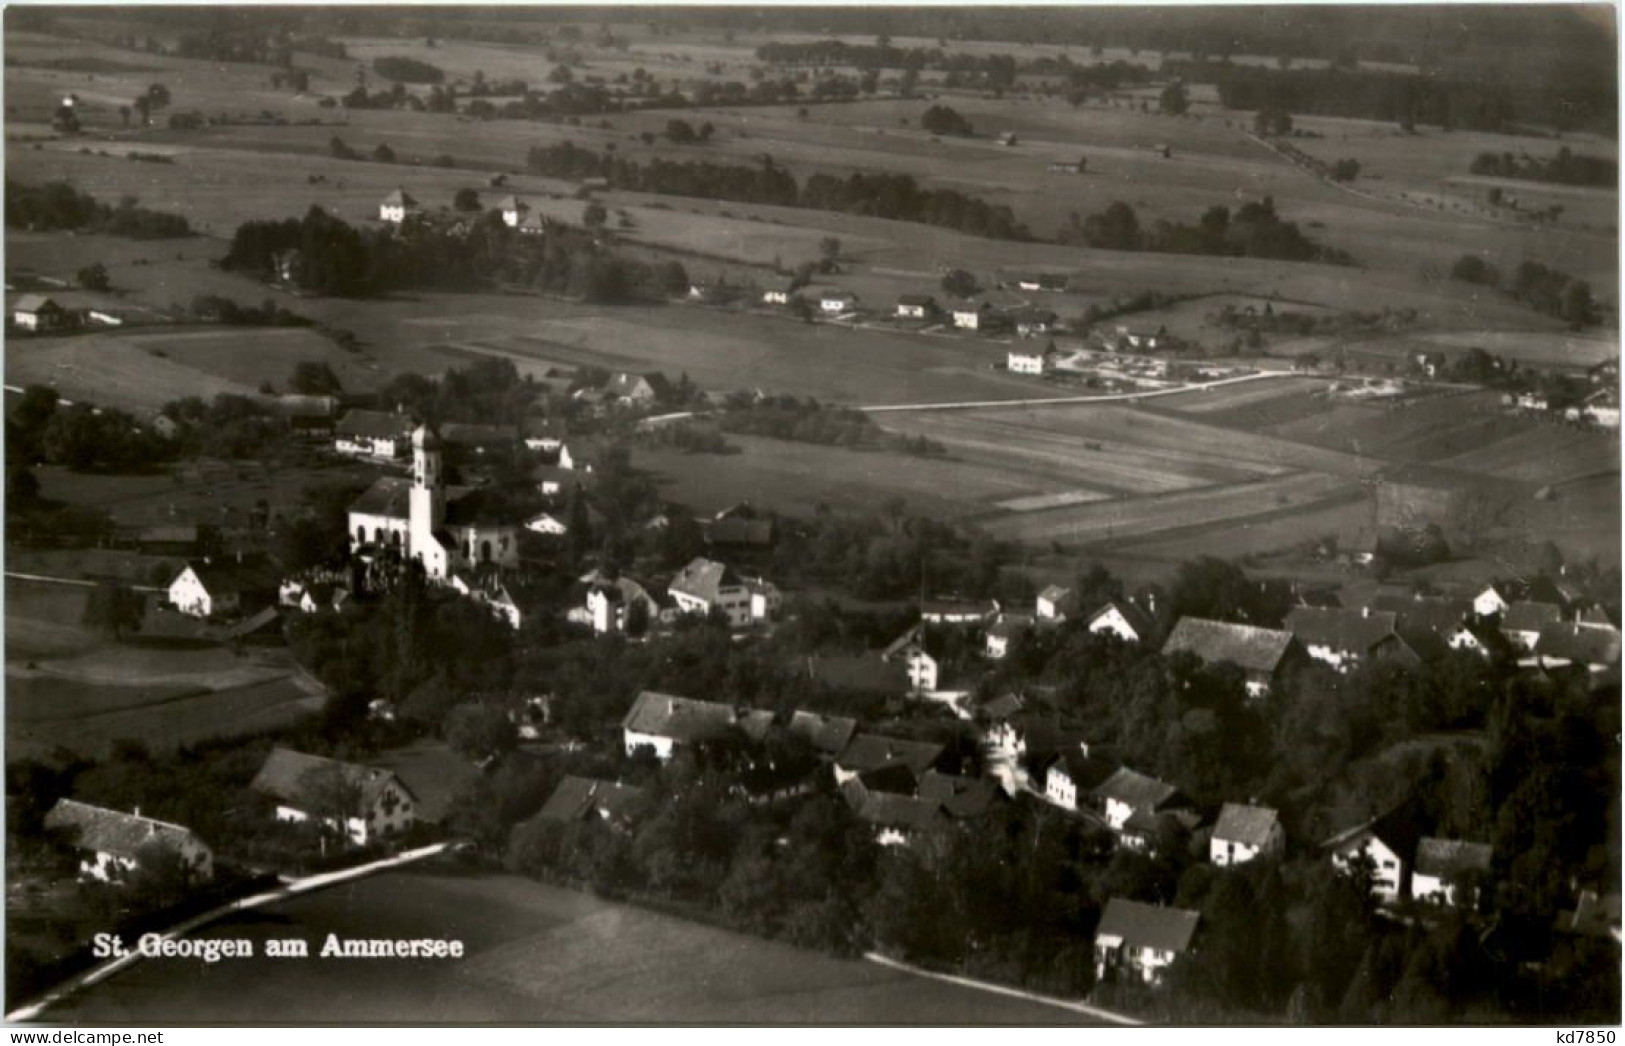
column 400, row 208
column 36, row 313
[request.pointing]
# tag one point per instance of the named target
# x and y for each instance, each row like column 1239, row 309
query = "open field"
column 1550, row 453
column 1422, row 431
column 534, row 954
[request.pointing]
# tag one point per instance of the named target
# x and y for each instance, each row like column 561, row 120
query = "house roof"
column 859, row 673
column 1355, row 631
column 113, row 831
column 829, row 734
column 958, row 608
column 1438, row 614
column 1087, row 772
column 1057, row 593
column 931, row 640
column 389, row 496
column 576, row 797
column 472, row 434
column 1135, row 789
column 1399, row 829
column 1529, row 617
column 374, row 424
column 689, row 721
column 1445, row 857
column 703, row 579
column 512, row 203
column 904, row 812
column 959, row 797
column 293, row 776
column 34, row 303
column 1241, row 823
column 1580, row 644
column 627, row 384
column 220, row 576
column 400, row 198
column 1140, row 925
column 915, row 299
column 873, row 751
column 1002, row 707
column 1248, row 646
column 1011, row 626
column 1135, row 617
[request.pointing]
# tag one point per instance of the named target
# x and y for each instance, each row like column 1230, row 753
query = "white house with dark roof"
column 1261, row 653
column 397, row 207
column 1122, row 619
column 661, row 723
column 916, row 306
column 704, row 586
column 1443, row 866
column 220, row 587
column 869, row 752
column 1384, row 847
column 1522, row 622
column 1141, row 941
column 1003, row 634
column 365, row 803
column 828, row 734
column 513, row 210
column 1128, row 792
column 835, row 302
column 112, row 844
column 1245, row 833
column 373, row 434
column 614, row 605
column 586, row 799
column 37, row 312
column 1036, row 362
column 1340, row 637
column 1073, row 775
column 1055, row 603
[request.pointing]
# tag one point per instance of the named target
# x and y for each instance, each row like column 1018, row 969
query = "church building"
column 421, row 520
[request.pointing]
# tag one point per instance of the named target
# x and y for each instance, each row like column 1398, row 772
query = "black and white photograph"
column 956, row 515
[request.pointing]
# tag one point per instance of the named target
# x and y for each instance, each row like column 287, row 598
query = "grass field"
column 534, row 954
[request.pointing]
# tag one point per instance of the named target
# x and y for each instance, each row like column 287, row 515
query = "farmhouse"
column 1030, row 323
column 397, row 207
column 112, row 844
column 899, row 819
column 418, row 519
column 1446, row 870
column 1129, row 792
column 1341, row 638
column 372, row 434
column 661, row 722
column 837, row 302
column 1142, row 940
column 869, row 752
column 1029, row 361
column 1244, row 833
column 916, row 306
column 924, row 652
column 1563, row 644
column 1132, row 336
column 704, row 586
column 1383, row 848
column 777, row 295
column 542, row 433
column 640, row 390
column 1073, row 773
column 827, row 734
column 1004, row 633
column 223, row 587
column 513, row 210
column 1055, row 603
column 1523, row 621
column 957, row 611
column 1122, row 619
column 1261, row 653
column 618, row 605
column 986, row 312
column 364, row 803
column 36, row 312
column 586, row 799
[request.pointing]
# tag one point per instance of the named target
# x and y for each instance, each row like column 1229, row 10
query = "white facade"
column 1387, row 868
column 1489, row 602
column 776, row 297
column 968, row 318
column 1226, row 852
column 922, row 668
column 387, row 448
column 661, row 746
column 1060, row 789
column 911, row 310
column 546, row 524
column 189, row 595
column 1112, row 622
column 1018, row 362
column 392, row 812
column 1117, row 813
column 835, row 304
column 1146, row 963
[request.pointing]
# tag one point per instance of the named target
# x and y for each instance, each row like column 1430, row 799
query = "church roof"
column 389, row 496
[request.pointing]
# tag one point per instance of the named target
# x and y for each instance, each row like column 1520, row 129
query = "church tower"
column 427, row 503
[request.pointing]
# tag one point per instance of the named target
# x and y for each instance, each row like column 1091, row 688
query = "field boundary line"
column 1000, row 989
column 76, row 582
column 99, row 973
column 1061, row 401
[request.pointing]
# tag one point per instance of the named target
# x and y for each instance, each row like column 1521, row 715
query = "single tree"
column 114, row 609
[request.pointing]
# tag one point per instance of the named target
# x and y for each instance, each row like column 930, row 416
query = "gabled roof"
column 1136, row 618
column 903, row 812
column 399, row 198
column 1002, row 707
column 1250, row 825
column 512, row 203
column 389, row 496
column 1136, row 790
column 960, row 797
column 1247, row 646
column 626, row 384
column 931, row 640
column 34, row 303
column 291, row 776
column 1139, row 925
column 577, row 797
column 689, row 721
column 1580, row 644
column 1399, row 829
column 1354, row 631
column 703, row 579
column 857, row 673
column 1529, row 617
column 1011, row 626
column 221, row 576
column 1087, row 772
column 472, row 434
column 916, row 299
column 872, row 751
column 374, row 424
column 114, row 832
column 829, row 734
column 1438, row 614
column 1446, row 857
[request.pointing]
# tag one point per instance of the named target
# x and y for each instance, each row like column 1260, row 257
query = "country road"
column 1061, row 401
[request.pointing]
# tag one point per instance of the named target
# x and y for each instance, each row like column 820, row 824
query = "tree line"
column 894, row 196
column 1254, row 230
column 1542, row 287
column 59, row 206
column 1564, row 168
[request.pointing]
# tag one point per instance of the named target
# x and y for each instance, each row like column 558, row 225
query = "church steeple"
column 427, row 503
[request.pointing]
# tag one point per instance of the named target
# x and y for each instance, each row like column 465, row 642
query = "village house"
column 219, row 587
column 922, row 651
column 614, row 606
column 397, row 207
column 373, row 434
column 112, row 844
column 1522, row 622
column 582, row 453
column 1128, row 792
column 1031, row 323
column 548, row 524
column 37, row 312
column 871, row 752
column 837, row 302
column 420, row 520
column 738, row 527
column 897, row 820
column 777, row 295
column 704, row 586
column 1055, row 603
column 586, row 799
column 1141, row 941
column 1144, row 338
column 1036, row 362
column 989, row 311
column 1446, row 869
column 1602, row 409
column 662, row 722
column 1245, row 833
column 542, row 433
column 916, row 306
column 639, row 390
column 1384, row 848
column 363, row 803
column 1002, row 730
column 957, row 611
column 1261, row 653
column 1342, row 637
column 513, row 210
column 484, row 585
column 1562, row 644
column 828, row 735
column 1003, row 634
column 1073, row 774
column 1122, row 619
